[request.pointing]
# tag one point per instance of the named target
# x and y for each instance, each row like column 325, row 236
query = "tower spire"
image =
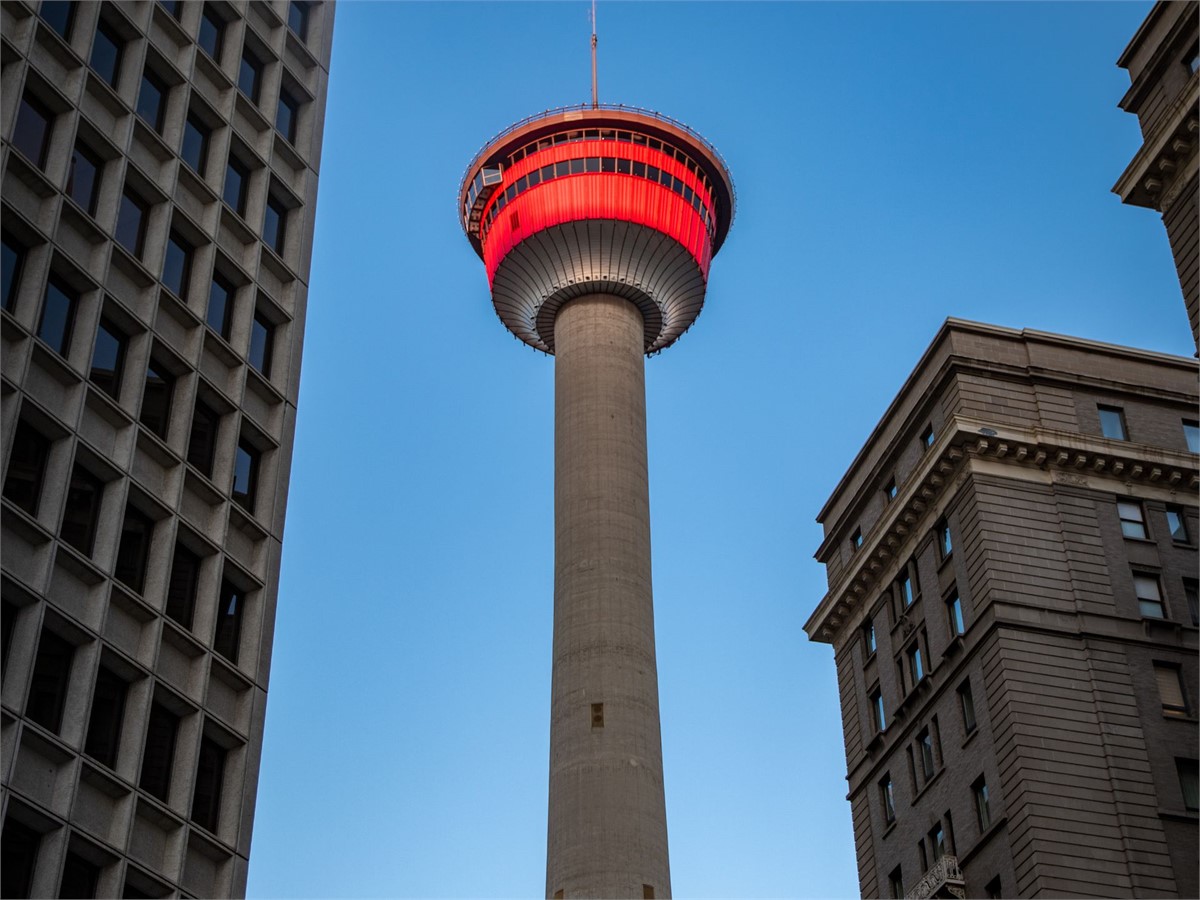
column 595, row 92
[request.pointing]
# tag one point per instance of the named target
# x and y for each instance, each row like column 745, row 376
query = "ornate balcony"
column 944, row 879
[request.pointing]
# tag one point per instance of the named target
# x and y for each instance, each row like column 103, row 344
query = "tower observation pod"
column 597, row 225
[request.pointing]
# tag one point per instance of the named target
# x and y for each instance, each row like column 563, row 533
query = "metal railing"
column 944, row 873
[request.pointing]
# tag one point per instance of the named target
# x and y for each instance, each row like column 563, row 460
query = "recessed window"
column 1189, row 783
column 1112, row 422
column 156, row 398
column 1149, row 596
column 106, row 53
column 13, row 260
column 202, row 439
column 927, row 437
column 983, row 810
column 1133, row 523
column 19, row 846
column 916, row 670
column 210, row 774
column 937, row 842
column 177, row 265
column 79, row 876
column 869, row 637
column 220, row 305
column 945, row 539
column 1191, row 592
column 1170, row 690
column 905, row 589
column 250, row 74
column 26, row 467
column 228, row 637
column 48, row 684
column 134, row 549
column 856, row 539
column 182, row 585
column 152, row 100
column 955, row 614
column 108, row 359
column 211, row 32
column 925, row 752
column 237, row 178
column 194, row 150
column 262, row 335
column 877, row 710
column 159, row 754
column 59, row 15
column 286, row 115
column 887, row 797
column 245, row 475
column 173, row 7
column 84, row 178
column 31, row 135
column 82, row 509
column 298, row 19
column 104, row 722
column 993, row 890
column 966, row 703
column 896, row 884
column 131, row 222
column 58, row 316
column 1177, row 524
column 889, row 489
column 275, row 225
column 1191, row 434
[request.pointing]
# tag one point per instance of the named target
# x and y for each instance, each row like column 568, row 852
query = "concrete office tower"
column 1163, row 61
column 597, row 226
column 1012, row 606
column 159, row 169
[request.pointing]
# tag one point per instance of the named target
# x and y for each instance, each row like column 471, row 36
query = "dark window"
column 134, row 548
column 1133, row 523
column 1112, row 422
column 945, row 539
column 26, row 467
column 177, row 265
column 8, row 621
column 916, row 671
column 856, row 539
column 173, row 7
column 286, row 114
column 925, row 747
column 592, row 164
column 236, row 180
column 877, row 710
column 250, row 74
column 83, row 180
column 156, row 398
column 104, row 723
column 869, row 637
column 608, row 164
column 228, row 637
column 1149, row 597
column 623, row 166
column 983, row 812
column 106, row 53
column 927, row 437
column 58, row 316
column 202, row 440
column 275, row 225
column 298, row 18
column 211, row 32
column 1170, row 690
column 32, row 131
column 887, row 796
column 79, row 876
column 131, row 222
column 160, row 751
column 992, row 890
column 966, row 701
column 194, row 150
column 262, row 333
column 955, row 614
column 904, row 586
column 14, row 256
column 1177, row 524
column 889, row 489
column 48, row 685
column 576, row 166
column 245, row 475
column 1189, row 783
column 1191, row 591
column 937, row 842
column 181, row 588
column 83, row 506
column 18, row 853
column 1191, row 434
column 896, row 883
column 58, row 14
column 152, row 100
column 210, row 772
column 220, row 305
column 108, row 357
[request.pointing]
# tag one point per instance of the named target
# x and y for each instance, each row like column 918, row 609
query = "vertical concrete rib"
column 607, row 818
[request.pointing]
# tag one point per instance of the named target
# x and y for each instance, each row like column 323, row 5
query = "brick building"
column 1012, row 603
column 159, row 169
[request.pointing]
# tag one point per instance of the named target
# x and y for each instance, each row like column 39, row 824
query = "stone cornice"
column 1166, row 160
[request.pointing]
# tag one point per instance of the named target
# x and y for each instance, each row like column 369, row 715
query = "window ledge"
column 990, row 832
column 956, row 644
column 22, row 168
column 25, row 524
column 925, row 787
column 1186, row 719
column 970, row 737
column 1175, row 815
column 56, row 366
column 891, row 826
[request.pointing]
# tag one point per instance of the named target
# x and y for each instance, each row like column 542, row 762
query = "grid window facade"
column 139, row 638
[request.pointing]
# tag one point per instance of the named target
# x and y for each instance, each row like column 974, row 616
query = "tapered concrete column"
column 607, row 822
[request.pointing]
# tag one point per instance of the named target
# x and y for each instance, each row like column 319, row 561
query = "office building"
column 597, row 225
column 159, row 170
column 1012, row 604
column 1163, row 60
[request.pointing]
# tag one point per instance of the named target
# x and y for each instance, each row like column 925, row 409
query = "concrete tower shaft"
column 607, row 834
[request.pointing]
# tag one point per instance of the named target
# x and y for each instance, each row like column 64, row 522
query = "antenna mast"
column 595, row 94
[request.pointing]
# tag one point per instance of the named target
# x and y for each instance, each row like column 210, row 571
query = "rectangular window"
column 108, row 357
column 13, row 258
column 1191, row 591
column 887, row 797
column 1191, row 434
column 916, row 671
column 228, row 636
column 1177, row 524
column 1133, row 523
column 19, row 845
column 250, row 74
column 298, row 19
column 152, row 100
column 182, row 585
column 1189, row 783
column 983, row 812
column 31, row 135
column 966, row 702
column 104, row 723
column 245, row 475
column 159, row 755
column 173, row 7
column 993, row 890
column 1170, row 690
column 106, row 53
column 275, row 225
column 877, row 710
column 869, row 637
column 26, row 467
column 131, row 222
column 79, row 877
column 922, row 856
column 48, row 684
column 905, row 588
column 927, row 437
column 202, row 440
column 889, row 489
column 58, row 14
column 210, row 773
column 134, row 548
column 58, row 316
column 177, row 265
column 82, row 509
column 83, row 180
column 856, row 539
column 286, row 115
column 925, row 753
column 220, row 305
column 236, row 179
column 194, row 150
column 955, row 614
column 945, row 540
column 1149, row 596
column 156, row 398
column 937, row 842
column 211, row 32
column 262, row 333
column 1112, row 422
column 896, row 884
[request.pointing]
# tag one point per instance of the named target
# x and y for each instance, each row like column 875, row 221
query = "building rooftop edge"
column 1147, row 23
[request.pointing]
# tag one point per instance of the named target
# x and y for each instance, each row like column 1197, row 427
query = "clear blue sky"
column 895, row 164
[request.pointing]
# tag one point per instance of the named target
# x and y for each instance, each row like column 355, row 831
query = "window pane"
column 209, row 37
column 1177, row 525
column 83, row 506
column 202, row 440
column 274, row 223
column 1149, row 597
column 210, row 772
column 104, row 724
column 1132, row 524
column 1191, row 433
column 968, row 707
column 220, row 305
column 235, row 186
column 131, row 223
column 156, row 398
column 32, row 130
column 245, row 475
column 1112, row 423
column 58, row 313
column 1189, row 781
column 134, row 549
column 298, row 18
column 106, row 53
column 227, row 639
column 83, row 179
column 194, row 151
column 58, row 15
column 176, row 265
column 954, row 607
column 151, row 100
column 48, row 684
column 13, row 256
column 1170, row 690
column 181, row 587
column 19, row 846
column 249, row 75
column 285, row 116
column 79, row 877
column 261, row 333
column 107, row 357
column 160, row 751
column 26, row 467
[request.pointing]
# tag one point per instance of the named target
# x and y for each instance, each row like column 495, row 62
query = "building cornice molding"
column 1166, row 161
